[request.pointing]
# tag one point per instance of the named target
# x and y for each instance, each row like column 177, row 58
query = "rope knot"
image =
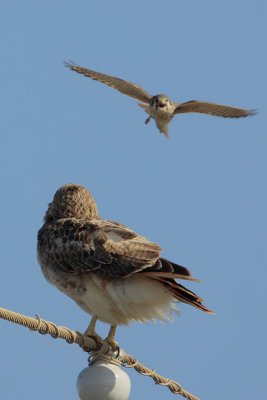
column 106, row 354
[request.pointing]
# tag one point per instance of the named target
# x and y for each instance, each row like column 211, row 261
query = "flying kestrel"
column 160, row 107
column 110, row 271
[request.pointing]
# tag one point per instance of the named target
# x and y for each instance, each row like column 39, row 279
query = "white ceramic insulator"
column 103, row 381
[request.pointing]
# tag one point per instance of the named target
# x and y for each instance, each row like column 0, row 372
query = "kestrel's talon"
column 147, row 120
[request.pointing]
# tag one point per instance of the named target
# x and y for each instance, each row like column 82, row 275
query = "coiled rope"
column 88, row 344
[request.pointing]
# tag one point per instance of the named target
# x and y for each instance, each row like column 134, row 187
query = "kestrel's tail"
column 163, row 126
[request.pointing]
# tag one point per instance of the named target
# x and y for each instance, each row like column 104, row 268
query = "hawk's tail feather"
column 165, row 268
column 183, row 294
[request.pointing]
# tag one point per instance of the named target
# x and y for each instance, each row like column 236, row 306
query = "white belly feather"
column 118, row 301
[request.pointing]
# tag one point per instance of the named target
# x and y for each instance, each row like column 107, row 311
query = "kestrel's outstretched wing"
column 211, row 108
column 125, row 87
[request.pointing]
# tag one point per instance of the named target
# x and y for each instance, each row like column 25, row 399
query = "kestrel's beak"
column 162, row 105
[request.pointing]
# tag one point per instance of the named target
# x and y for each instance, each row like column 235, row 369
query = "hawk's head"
column 71, row 200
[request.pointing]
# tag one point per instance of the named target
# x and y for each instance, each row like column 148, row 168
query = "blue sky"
column 201, row 195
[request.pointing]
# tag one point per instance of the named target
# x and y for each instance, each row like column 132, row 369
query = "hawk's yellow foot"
column 90, row 331
column 110, row 338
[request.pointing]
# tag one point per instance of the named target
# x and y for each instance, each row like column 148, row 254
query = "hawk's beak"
column 161, row 105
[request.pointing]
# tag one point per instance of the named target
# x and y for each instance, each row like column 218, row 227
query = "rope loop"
column 130, row 365
column 89, row 345
column 42, row 331
column 105, row 353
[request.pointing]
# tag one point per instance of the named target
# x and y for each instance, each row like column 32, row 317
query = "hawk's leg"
column 147, row 120
column 110, row 338
column 90, row 331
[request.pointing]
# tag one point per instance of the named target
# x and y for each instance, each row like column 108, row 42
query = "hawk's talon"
column 112, row 343
column 98, row 339
column 110, row 338
column 90, row 332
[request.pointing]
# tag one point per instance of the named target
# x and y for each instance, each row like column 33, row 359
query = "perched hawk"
column 110, row 271
column 160, row 107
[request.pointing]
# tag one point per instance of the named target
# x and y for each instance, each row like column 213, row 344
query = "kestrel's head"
column 71, row 201
column 161, row 101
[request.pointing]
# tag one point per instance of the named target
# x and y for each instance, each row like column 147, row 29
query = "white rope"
column 88, row 344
